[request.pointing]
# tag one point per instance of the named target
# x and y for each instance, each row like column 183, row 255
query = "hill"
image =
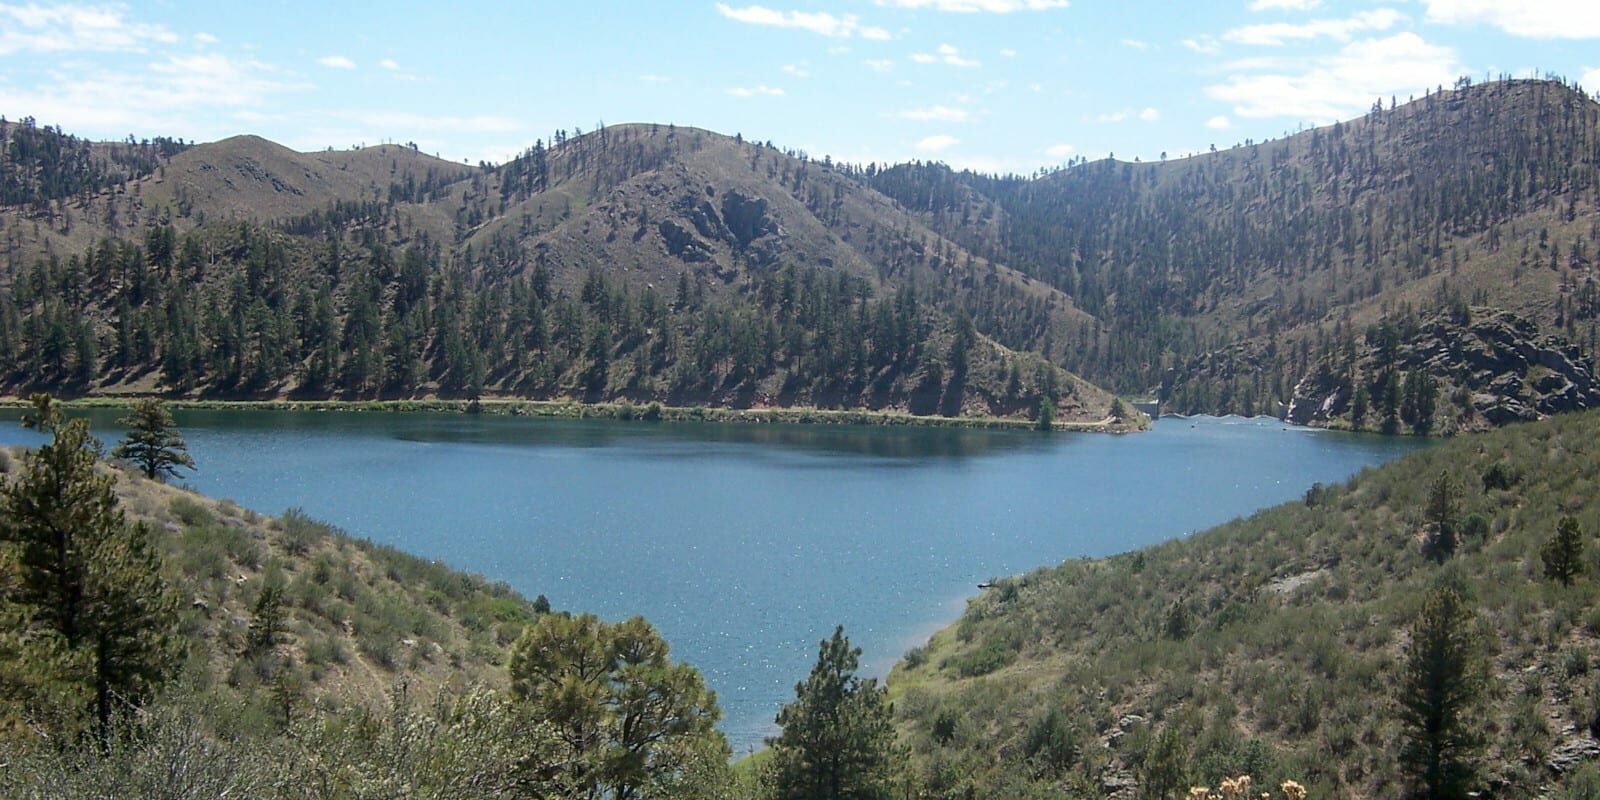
column 655, row 263
column 639, row 263
column 1478, row 194
column 1274, row 645
column 161, row 644
column 354, row 618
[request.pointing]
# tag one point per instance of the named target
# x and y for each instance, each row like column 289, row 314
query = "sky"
column 990, row 85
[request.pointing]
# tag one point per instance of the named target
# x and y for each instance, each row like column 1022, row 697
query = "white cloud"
column 654, row 78
column 756, row 91
column 1532, row 19
column 1204, row 45
column 1279, row 33
column 1147, row 114
column 1342, row 85
column 936, row 114
column 206, row 38
column 818, row 22
column 880, row 64
column 154, row 100
column 1007, row 52
column 1284, row 5
column 389, row 64
column 937, row 143
column 975, row 6
column 945, row 54
column 1136, row 44
column 798, row 70
column 336, row 62
column 1258, row 64
column 1218, row 123
column 1060, row 150
column 62, row 28
column 1590, row 80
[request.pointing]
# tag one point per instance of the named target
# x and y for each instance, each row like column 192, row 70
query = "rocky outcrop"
column 746, row 217
column 1493, row 369
column 740, row 221
column 1572, row 753
column 681, row 242
column 1479, row 368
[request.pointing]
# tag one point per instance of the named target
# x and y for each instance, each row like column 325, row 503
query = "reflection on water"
column 746, row 544
column 890, row 442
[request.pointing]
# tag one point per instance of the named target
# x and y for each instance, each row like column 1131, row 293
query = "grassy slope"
column 358, row 618
column 1298, row 616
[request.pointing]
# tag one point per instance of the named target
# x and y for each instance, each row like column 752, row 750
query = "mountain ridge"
column 1118, row 271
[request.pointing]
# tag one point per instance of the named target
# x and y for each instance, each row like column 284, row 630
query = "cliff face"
column 1490, row 369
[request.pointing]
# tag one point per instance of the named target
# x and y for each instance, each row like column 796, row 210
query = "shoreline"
column 567, row 409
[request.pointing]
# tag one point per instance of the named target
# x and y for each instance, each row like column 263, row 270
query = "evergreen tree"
column 53, row 516
column 837, row 741
column 1441, row 518
column 87, row 585
column 1563, row 553
column 267, row 619
column 630, row 723
column 153, row 441
column 1047, row 415
column 1440, row 687
column 132, row 620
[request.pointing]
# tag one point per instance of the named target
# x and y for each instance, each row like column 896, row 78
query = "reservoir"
column 746, row 544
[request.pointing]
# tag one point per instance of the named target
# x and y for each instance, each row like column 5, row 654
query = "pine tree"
column 1563, row 553
column 87, row 586
column 1441, row 517
column 1047, row 415
column 131, row 622
column 153, row 441
column 630, row 723
column 1441, row 686
column 267, row 619
column 837, row 741
column 53, row 517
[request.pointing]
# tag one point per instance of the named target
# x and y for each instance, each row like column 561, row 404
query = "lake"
column 745, row 545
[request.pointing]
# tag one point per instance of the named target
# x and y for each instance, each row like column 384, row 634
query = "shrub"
column 190, row 513
column 916, row 657
column 992, row 655
column 300, row 532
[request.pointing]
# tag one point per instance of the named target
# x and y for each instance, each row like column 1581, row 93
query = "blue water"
column 746, row 545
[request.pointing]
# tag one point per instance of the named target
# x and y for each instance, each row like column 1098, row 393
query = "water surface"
column 746, row 544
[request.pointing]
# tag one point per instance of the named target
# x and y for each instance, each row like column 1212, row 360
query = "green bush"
column 994, row 654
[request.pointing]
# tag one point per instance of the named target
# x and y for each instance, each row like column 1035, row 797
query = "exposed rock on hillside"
column 1492, row 369
column 1464, row 369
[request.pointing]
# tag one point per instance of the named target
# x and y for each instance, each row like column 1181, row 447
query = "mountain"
column 656, row 263
column 638, row 262
column 1479, row 194
column 1275, row 645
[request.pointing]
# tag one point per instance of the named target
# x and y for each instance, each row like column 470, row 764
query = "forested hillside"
column 1476, row 194
column 651, row 262
column 640, row 263
column 1286, row 645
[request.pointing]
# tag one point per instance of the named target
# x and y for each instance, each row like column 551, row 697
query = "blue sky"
column 996, row 85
